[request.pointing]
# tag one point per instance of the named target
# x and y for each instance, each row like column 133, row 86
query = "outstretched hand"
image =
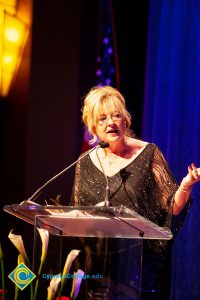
column 185, row 188
column 193, row 175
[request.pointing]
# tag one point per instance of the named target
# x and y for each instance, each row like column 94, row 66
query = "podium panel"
column 113, row 221
column 110, row 241
column 112, row 265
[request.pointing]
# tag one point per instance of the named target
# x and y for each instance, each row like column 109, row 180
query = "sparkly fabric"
column 147, row 186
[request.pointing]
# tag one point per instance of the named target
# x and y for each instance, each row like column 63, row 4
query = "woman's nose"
column 110, row 120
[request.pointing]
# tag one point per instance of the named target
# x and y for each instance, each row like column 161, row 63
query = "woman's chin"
column 112, row 137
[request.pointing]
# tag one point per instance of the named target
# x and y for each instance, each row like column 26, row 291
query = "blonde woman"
column 138, row 176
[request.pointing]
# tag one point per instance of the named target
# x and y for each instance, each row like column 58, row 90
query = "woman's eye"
column 117, row 115
column 101, row 119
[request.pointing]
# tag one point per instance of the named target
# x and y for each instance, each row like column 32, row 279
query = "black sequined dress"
column 147, row 186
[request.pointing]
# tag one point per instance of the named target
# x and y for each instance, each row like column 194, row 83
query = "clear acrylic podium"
column 110, row 241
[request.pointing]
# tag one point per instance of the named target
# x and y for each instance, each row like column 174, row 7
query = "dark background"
column 40, row 121
column 41, row 129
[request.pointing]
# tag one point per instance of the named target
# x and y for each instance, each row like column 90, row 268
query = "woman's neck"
column 120, row 148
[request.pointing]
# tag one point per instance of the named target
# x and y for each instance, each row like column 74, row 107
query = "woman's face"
column 111, row 127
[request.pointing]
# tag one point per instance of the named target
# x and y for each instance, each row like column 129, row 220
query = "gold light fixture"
column 9, row 6
column 13, row 33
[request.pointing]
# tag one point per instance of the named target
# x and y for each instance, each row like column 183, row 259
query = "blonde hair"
column 101, row 100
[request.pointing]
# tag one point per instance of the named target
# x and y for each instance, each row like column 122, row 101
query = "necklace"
column 110, row 162
column 112, row 159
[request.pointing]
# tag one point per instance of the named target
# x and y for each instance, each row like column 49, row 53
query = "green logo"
column 22, row 276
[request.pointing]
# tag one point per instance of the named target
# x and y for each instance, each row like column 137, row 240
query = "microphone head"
column 103, row 144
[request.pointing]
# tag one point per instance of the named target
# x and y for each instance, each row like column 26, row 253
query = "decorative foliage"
column 44, row 235
column 22, row 257
column 53, row 287
column 57, row 282
column 19, row 244
column 78, row 276
column 70, row 258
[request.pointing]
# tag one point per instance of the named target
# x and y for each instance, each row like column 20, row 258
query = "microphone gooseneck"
column 101, row 144
column 107, row 196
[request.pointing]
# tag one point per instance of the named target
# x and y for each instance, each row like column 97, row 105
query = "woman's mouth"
column 112, row 131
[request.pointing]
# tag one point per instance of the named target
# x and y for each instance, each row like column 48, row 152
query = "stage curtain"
column 171, row 118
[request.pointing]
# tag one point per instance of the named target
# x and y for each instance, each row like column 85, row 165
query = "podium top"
column 89, row 221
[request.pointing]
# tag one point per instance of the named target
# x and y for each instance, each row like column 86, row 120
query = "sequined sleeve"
column 167, row 187
column 166, row 182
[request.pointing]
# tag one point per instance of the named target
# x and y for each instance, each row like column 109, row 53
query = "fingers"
column 193, row 172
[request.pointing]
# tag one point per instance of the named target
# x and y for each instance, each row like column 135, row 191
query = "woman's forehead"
column 107, row 108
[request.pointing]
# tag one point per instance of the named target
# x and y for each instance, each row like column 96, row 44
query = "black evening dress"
column 147, row 186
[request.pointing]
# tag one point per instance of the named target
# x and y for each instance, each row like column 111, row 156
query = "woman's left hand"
column 193, row 175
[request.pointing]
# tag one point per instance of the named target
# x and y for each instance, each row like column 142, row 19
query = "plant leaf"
column 76, row 284
column 1, row 253
column 53, row 286
column 70, row 258
column 19, row 244
column 44, row 235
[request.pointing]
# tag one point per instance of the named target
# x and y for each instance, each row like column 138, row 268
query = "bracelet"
column 184, row 187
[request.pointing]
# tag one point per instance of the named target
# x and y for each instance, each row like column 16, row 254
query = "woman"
column 138, row 177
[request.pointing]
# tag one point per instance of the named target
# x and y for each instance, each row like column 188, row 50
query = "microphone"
column 124, row 175
column 31, row 199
